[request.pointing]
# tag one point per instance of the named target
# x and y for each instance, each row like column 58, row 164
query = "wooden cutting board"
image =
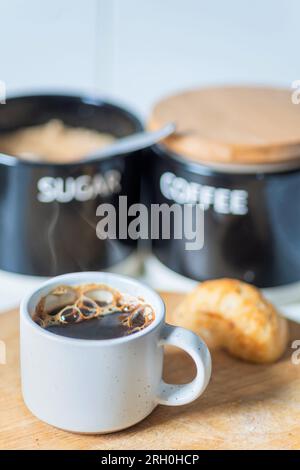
column 244, row 407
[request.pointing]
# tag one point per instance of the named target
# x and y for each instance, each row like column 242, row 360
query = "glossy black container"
column 48, row 211
column 251, row 221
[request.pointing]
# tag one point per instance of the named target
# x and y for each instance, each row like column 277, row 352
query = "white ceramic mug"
column 99, row 386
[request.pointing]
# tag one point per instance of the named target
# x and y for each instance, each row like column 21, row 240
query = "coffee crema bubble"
column 92, row 311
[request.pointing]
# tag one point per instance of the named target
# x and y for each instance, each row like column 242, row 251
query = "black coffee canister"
column 48, row 211
column 252, row 205
column 251, row 222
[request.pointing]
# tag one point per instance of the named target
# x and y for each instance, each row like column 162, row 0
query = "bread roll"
column 235, row 316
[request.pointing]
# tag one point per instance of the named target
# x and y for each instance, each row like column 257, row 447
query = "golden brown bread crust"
column 234, row 315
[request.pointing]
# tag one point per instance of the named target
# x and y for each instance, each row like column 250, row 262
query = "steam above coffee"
column 92, row 311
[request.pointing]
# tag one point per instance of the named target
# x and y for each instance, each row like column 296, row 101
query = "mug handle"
column 175, row 395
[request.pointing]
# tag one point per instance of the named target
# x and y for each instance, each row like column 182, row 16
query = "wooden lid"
column 240, row 125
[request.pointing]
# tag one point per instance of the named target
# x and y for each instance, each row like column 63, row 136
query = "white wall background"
column 138, row 50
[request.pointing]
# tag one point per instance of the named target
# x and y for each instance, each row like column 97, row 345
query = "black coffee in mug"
column 92, row 311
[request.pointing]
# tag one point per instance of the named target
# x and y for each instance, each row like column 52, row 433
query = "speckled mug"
column 100, row 386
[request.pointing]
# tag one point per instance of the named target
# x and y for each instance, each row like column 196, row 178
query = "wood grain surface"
column 245, row 406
